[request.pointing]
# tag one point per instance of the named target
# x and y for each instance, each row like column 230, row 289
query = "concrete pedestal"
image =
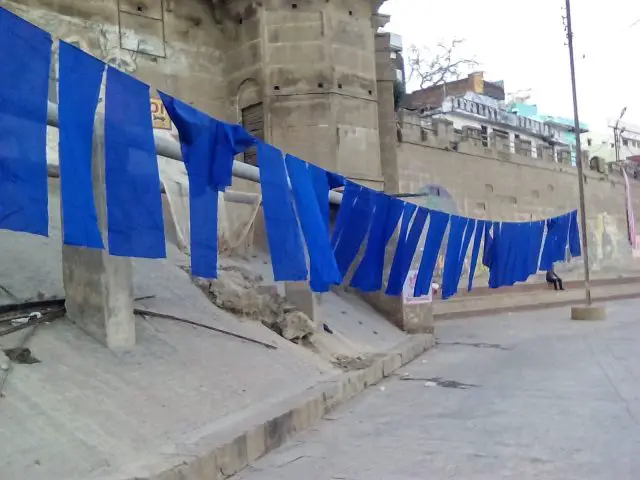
column 589, row 313
column 98, row 287
column 300, row 295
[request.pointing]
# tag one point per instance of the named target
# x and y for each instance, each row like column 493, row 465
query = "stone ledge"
column 227, row 451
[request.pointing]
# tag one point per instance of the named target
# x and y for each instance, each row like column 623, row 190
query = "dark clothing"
column 553, row 278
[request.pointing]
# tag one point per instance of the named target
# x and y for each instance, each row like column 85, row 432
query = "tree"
column 438, row 65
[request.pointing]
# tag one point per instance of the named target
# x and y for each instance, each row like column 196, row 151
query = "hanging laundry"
column 468, row 235
column 79, row 89
column 323, row 182
column 452, row 256
column 475, row 252
column 537, row 234
column 575, row 247
column 134, row 202
column 407, row 244
column 283, row 232
column 386, row 215
column 324, row 270
column 25, row 59
column 435, row 234
column 555, row 244
column 208, row 147
column 492, row 246
column 354, row 230
column 351, row 192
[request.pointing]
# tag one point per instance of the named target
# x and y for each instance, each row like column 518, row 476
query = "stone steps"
column 532, row 296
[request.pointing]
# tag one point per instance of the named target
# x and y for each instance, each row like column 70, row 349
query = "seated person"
column 553, row 278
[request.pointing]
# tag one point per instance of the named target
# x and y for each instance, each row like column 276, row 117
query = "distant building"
column 476, row 107
column 602, row 146
column 433, row 97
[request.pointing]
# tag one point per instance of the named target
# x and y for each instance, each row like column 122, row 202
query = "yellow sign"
column 159, row 115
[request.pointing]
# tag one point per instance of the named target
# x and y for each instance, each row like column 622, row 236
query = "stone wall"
column 459, row 175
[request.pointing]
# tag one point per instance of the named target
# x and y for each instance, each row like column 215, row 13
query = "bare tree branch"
column 438, row 65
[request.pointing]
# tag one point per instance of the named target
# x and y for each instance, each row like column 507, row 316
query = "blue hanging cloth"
column 25, row 58
column 324, row 270
column 555, row 244
column 283, row 232
column 208, row 147
column 537, row 234
column 493, row 253
column 487, row 248
column 452, row 256
column 407, row 244
column 575, row 247
column 134, row 202
column 386, row 215
column 435, row 234
column 468, row 235
column 80, row 79
column 351, row 192
column 355, row 230
column 475, row 252
column 323, row 182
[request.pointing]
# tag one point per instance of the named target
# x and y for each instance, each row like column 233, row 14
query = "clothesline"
column 296, row 194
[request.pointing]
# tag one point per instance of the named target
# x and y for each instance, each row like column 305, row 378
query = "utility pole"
column 617, row 133
column 583, row 215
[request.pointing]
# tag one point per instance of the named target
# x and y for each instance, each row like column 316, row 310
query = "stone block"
column 588, row 313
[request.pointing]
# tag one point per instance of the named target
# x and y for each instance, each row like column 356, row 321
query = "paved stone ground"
column 552, row 399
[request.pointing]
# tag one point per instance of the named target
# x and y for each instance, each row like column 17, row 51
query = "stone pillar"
column 300, row 295
column 387, row 124
column 98, row 287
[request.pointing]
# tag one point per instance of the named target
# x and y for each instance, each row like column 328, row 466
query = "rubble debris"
column 349, row 364
column 21, row 355
column 239, row 291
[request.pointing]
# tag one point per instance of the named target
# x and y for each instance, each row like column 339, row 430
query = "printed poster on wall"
column 408, row 289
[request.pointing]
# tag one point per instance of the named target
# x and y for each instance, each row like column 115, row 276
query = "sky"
column 525, row 47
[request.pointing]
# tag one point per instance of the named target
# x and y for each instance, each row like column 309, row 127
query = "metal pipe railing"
column 170, row 148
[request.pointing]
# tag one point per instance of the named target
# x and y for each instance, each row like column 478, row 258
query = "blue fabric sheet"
column 351, row 192
column 537, row 234
column 452, row 256
column 134, row 204
column 80, row 79
column 475, row 252
column 468, row 236
column 516, row 247
column 208, row 147
column 25, row 58
column 574, row 235
column 407, row 244
column 493, row 254
column 283, row 233
column 323, row 182
column 324, row 270
column 354, row 230
column 437, row 228
column 386, row 215
column 555, row 244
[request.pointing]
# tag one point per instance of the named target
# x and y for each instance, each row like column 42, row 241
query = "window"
column 485, row 136
column 625, row 142
column 399, row 75
column 394, row 55
column 589, row 142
